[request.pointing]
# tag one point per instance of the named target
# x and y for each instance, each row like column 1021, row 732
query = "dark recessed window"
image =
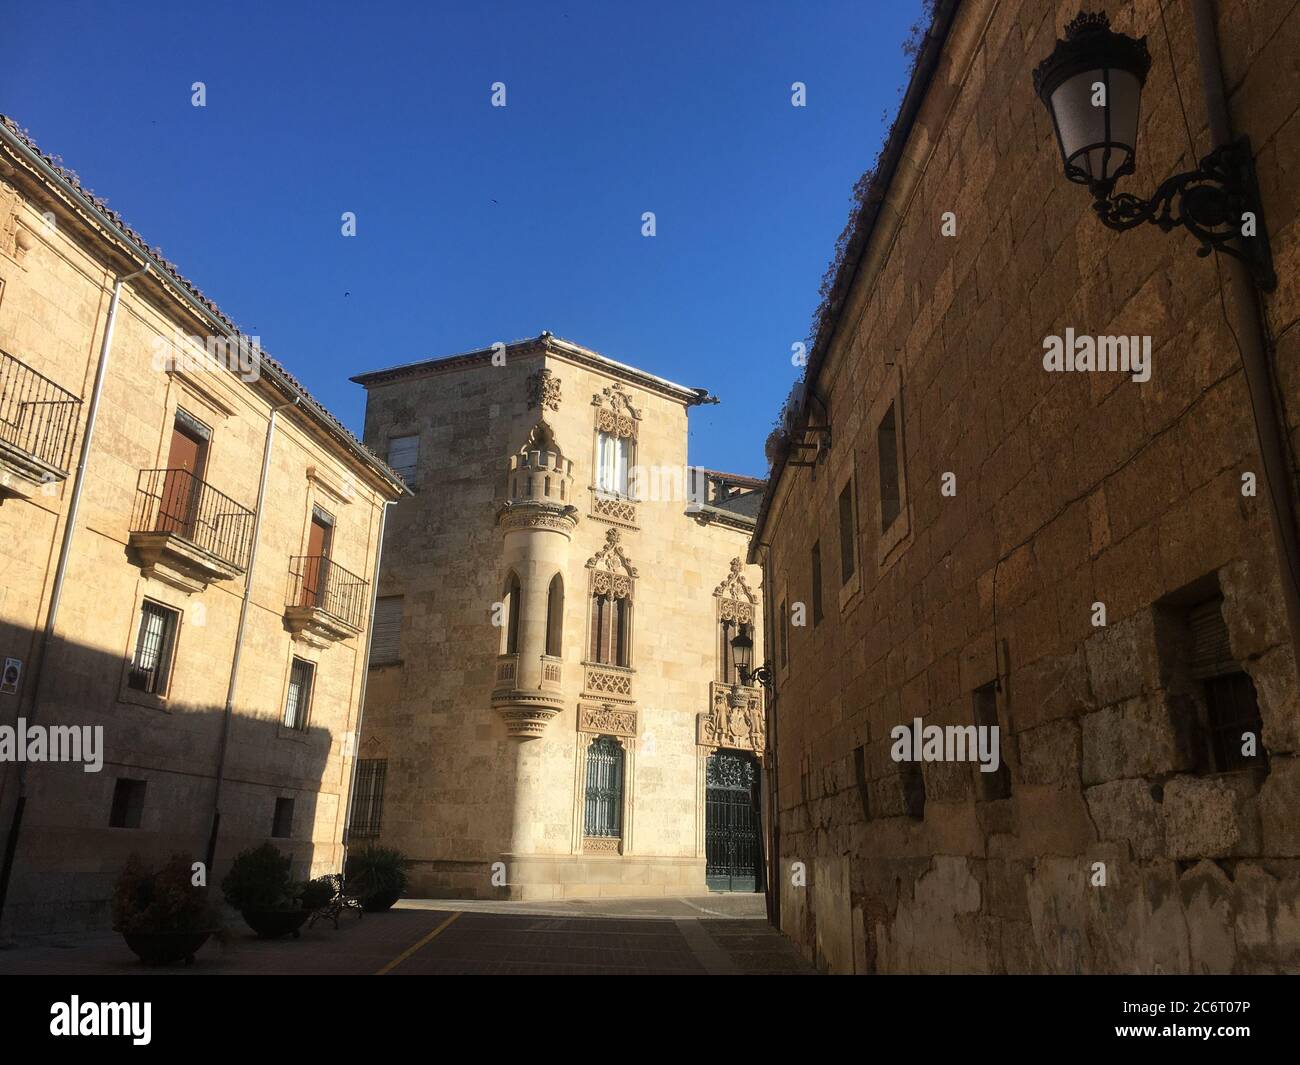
column 155, row 642
column 887, row 447
column 913, row 790
column 1230, row 708
column 996, row 785
column 128, row 803
column 817, row 583
column 282, row 822
column 848, row 561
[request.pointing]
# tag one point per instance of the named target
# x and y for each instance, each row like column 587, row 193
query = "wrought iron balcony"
column 38, row 425
column 325, row 600
column 186, row 532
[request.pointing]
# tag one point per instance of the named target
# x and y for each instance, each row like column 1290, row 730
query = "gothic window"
column 512, row 600
column 555, row 617
column 616, row 431
column 611, row 629
column 736, row 605
column 604, row 808
column 612, row 580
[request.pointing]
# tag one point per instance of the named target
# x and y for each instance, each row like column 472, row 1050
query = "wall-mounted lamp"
column 1091, row 85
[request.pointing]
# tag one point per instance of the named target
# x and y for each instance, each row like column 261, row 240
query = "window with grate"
column 368, row 802
column 1232, row 719
column 297, row 702
column 155, row 642
column 604, row 809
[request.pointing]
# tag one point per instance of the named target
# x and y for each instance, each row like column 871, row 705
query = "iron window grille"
column 155, row 643
column 604, row 812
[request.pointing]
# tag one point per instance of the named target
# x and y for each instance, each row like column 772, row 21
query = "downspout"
column 365, row 678
column 773, row 805
column 239, row 632
column 61, row 570
column 1251, row 329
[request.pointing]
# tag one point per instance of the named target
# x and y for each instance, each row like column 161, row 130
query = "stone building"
column 553, row 708
column 1084, row 560
column 130, row 623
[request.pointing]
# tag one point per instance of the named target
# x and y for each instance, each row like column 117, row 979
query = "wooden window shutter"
column 386, row 642
column 1211, row 651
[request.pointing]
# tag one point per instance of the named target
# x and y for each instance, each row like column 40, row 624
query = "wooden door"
column 316, row 565
column 186, row 458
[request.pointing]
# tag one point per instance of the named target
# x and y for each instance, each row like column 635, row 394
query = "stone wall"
column 1071, row 489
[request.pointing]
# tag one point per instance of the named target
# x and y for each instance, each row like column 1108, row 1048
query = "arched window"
column 604, row 815
column 512, row 600
column 611, row 630
column 555, row 617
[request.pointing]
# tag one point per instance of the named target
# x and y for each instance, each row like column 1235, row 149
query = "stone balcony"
column 186, row 533
column 38, row 426
column 527, row 711
column 326, row 603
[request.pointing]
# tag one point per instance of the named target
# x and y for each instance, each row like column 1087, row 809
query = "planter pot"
column 272, row 924
column 378, row 903
column 164, row 948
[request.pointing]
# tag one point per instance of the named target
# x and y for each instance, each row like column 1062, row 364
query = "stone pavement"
column 715, row 935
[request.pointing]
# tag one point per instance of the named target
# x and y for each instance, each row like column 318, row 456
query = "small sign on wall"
column 12, row 673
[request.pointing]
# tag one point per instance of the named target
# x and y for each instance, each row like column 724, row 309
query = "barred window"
column 368, row 802
column 604, row 814
column 297, row 703
column 151, row 664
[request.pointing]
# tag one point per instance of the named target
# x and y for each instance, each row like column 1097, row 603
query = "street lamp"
column 1091, row 85
column 742, row 649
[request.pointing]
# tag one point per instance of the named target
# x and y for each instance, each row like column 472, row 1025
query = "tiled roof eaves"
column 99, row 211
column 545, row 343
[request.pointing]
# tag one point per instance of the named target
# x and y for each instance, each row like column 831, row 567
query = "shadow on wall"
column 154, row 791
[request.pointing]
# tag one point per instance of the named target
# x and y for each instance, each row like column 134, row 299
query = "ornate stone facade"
column 488, row 741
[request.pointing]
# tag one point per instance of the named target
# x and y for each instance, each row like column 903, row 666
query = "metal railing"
column 317, row 581
column 175, row 501
column 37, row 416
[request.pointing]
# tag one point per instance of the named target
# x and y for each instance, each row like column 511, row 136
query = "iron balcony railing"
column 37, row 416
column 317, row 581
column 177, row 502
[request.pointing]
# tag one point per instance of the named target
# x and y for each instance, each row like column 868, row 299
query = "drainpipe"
column 239, row 632
column 1251, row 328
column 61, row 569
column 365, row 678
column 773, row 805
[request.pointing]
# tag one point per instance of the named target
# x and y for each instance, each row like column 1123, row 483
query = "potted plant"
column 161, row 913
column 377, row 876
column 260, row 887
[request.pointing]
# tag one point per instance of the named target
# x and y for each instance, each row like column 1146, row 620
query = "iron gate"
column 733, row 850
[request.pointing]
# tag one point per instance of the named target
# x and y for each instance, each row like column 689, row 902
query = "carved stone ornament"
column 533, row 515
column 741, row 726
column 614, row 411
column 735, row 586
column 543, row 390
column 607, row 719
column 611, row 571
column 602, row 845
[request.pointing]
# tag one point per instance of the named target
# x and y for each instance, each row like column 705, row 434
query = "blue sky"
column 477, row 224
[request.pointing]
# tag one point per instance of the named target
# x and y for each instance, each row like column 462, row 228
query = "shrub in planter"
column 163, row 916
column 377, row 876
column 260, row 887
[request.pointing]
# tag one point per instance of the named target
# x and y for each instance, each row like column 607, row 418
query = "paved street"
column 713, row 935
